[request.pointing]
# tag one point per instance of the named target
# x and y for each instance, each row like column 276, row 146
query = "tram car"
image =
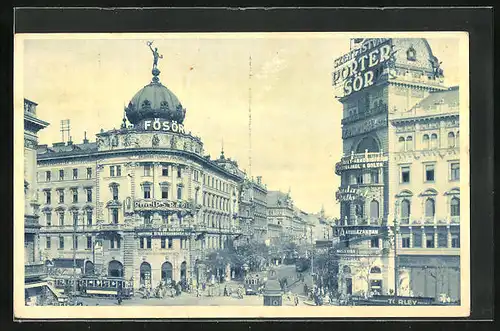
column 96, row 286
column 254, row 284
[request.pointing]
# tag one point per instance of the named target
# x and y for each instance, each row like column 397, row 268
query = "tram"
column 96, row 286
column 254, row 283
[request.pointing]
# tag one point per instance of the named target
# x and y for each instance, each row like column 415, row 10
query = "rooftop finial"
column 156, row 56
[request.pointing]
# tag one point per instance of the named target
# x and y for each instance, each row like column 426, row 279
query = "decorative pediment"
column 114, row 184
column 113, row 204
column 429, row 192
column 404, row 194
column 453, row 191
column 60, row 209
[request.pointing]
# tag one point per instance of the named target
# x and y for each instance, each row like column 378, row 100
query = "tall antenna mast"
column 250, row 116
column 65, row 129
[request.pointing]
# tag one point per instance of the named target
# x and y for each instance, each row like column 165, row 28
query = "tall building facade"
column 399, row 173
column 143, row 202
column 253, row 209
column 34, row 269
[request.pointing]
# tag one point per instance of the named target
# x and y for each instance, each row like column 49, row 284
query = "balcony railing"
column 35, row 270
column 430, row 221
column 361, row 221
column 370, row 112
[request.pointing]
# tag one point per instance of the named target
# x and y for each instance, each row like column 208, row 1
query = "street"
column 190, row 299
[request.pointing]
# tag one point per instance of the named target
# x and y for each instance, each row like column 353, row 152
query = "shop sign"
column 161, row 205
column 159, row 124
column 351, row 251
column 354, row 165
column 356, row 69
column 357, row 231
column 349, row 194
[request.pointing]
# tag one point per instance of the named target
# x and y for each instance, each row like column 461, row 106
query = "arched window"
column 183, row 271
column 166, row 272
column 374, row 209
column 434, row 141
column 115, row 269
column 346, row 269
column 375, row 270
column 89, row 268
column 145, row 274
column 451, row 140
column 359, row 210
column 430, row 207
column 401, row 144
column 405, row 209
column 367, row 144
column 409, row 143
column 455, row 207
column 425, row 141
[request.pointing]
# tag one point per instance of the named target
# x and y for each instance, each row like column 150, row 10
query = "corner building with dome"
column 142, row 203
column 400, row 172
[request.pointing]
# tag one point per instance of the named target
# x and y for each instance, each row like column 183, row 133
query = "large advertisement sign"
column 357, row 231
column 161, row 205
column 349, row 194
column 357, row 69
column 159, row 124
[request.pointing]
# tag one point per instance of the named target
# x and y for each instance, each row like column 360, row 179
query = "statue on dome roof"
column 156, row 55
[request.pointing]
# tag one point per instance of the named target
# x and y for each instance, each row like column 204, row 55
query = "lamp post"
column 395, row 235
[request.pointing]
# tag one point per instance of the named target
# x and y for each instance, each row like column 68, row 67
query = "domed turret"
column 155, row 101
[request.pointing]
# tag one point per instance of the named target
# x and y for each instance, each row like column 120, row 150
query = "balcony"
column 451, row 220
column 354, row 221
column 361, row 161
column 382, row 108
column 34, row 270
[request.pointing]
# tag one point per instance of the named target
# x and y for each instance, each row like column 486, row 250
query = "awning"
column 67, row 263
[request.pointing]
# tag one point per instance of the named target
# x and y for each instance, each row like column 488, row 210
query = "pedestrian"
column 225, row 291
column 306, row 289
column 203, row 286
column 296, row 300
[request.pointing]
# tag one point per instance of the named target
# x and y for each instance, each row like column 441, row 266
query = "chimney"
column 85, row 140
column 70, row 141
column 259, row 180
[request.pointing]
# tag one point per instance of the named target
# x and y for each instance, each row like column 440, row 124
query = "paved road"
column 295, row 286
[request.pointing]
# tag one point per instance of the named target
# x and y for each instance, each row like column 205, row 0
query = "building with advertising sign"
column 143, row 202
column 400, row 170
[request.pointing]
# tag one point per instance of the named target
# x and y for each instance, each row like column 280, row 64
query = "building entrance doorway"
column 145, row 274
column 376, row 286
column 348, row 285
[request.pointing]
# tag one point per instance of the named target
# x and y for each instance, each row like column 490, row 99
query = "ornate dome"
column 155, row 101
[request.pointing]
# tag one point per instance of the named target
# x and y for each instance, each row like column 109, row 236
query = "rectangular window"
column 179, row 172
column 61, row 174
column 89, row 173
column 89, row 217
column 75, row 242
column 455, row 171
column 89, row 242
column 196, row 175
column 111, row 243
column 75, row 173
column 148, row 242
column 405, row 174
column 374, row 177
column 164, row 192
column 359, row 179
column 147, row 170
column 429, row 242
column 89, row 195
column 48, row 197
column 163, row 242
column 61, row 242
column 61, row 196
column 417, row 239
column 147, row 192
column 118, row 243
column 61, row 218
column 112, row 171
column 47, row 245
column 48, row 219
column 118, row 171
column 115, row 192
column 75, row 218
column 442, row 239
column 455, row 241
column 164, row 171
column 170, row 243
column 179, row 193
column 75, row 195
column 181, row 242
column 115, row 216
column 405, row 241
column 141, row 243
column 47, row 176
column 374, row 242
column 429, row 172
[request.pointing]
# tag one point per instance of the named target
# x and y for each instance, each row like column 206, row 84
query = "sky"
column 295, row 118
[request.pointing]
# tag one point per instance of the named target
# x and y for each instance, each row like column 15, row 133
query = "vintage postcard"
column 269, row 175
